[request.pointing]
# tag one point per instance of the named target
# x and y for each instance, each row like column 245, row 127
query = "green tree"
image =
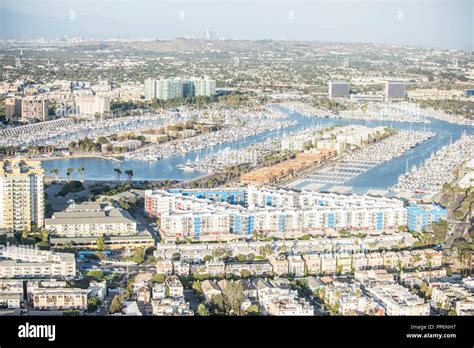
column 116, row 305
column 69, row 172
column 100, row 243
column 44, row 235
column 139, row 255
column 233, row 297
column 202, row 310
column 92, row 304
column 197, row 287
column 245, row 274
column 253, row 310
column 25, row 234
column 158, row 278
column 440, row 229
column 96, row 273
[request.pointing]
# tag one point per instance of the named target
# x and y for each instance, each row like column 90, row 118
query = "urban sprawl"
column 225, row 177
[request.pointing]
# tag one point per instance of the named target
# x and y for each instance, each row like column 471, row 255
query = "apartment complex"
column 338, row 90
column 348, row 299
column 29, row 262
column 268, row 175
column 394, row 89
column 272, row 211
column 172, row 88
column 90, row 219
column 12, row 109
column 92, row 105
column 279, row 299
column 11, row 293
column 453, row 297
column 60, row 298
column 21, row 195
column 422, row 215
column 34, row 109
column 398, row 300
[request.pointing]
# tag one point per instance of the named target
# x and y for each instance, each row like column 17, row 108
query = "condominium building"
column 171, row 306
column 172, row 88
column 273, row 212
column 422, row 215
column 348, row 299
column 90, row 219
column 394, row 89
column 30, row 262
column 268, row 175
column 34, row 109
column 60, row 298
column 175, row 287
column 92, row 105
column 280, row 300
column 338, row 89
column 398, row 300
column 453, row 297
column 204, row 87
column 21, row 195
column 11, row 293
column 12, row 109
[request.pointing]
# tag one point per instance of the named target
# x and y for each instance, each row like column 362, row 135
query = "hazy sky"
column 432, row 23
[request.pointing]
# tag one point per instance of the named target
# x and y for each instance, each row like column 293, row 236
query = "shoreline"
column 54, row 158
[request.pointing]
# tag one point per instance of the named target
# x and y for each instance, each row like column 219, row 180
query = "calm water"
column 381, row 177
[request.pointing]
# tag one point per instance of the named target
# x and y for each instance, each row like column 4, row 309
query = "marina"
column 253, row 126
column 360, row 161
column 438, row 169
column 381, row 177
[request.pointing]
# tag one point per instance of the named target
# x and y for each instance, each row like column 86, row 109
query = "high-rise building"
column 394, row 89
column 338, row 89
column 188, row 89
column 165, row 89
column 150, row 88
column 34, row 108
column 12, row 109
column 91, row 105
column 204, row 87
column 21, row 195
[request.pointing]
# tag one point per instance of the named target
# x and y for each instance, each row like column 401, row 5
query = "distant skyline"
column 427, row 23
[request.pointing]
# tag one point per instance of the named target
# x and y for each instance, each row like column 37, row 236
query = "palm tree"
column 129, row 174
column 69, row 173
column 118, row 172
column 81, row 170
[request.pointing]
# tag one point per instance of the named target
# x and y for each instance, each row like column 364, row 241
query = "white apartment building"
column 91, row 105
column 453, row 296
column 30, row 262
column 273, row 211
column 34, row 108
column 90, row 219
column 11, row 293
column 397, row 300
column 60, row 298
column 276, row 300
column 21, row 195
